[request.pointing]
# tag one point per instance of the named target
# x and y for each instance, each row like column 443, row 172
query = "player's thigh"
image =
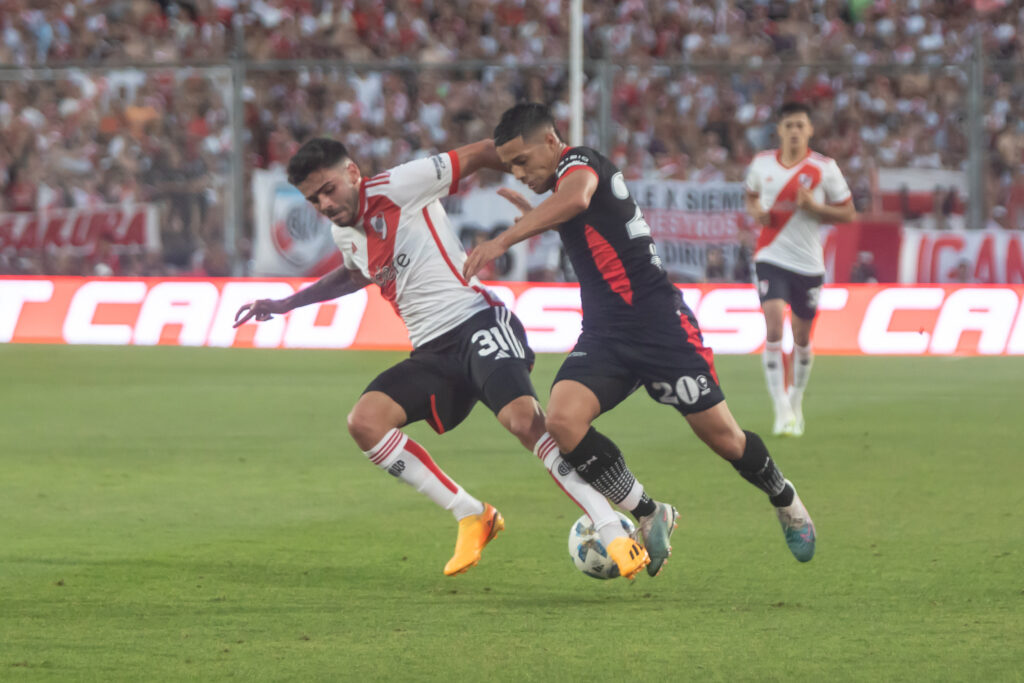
column 430, row 387
column 373, row 416
column 596, row 366
column 510, row 395
column 773, row 289
column 804, row 291
column 677, row 369
column 491, row 339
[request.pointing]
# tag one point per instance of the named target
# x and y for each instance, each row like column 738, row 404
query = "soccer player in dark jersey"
column 636, row 328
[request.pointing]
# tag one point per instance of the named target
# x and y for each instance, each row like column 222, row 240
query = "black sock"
column 599, row 462
column 757, row 467
column 645, row 507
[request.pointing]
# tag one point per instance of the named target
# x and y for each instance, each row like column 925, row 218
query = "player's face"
column 533, row 160
column 795, row 132
column 334, row 192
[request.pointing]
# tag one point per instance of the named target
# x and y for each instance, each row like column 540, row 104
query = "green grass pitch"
column 198, row 514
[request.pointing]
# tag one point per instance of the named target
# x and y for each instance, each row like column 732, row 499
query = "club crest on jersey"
column 804, row 179
column 380, row 226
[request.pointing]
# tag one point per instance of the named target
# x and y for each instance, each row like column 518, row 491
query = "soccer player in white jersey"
column 467, row 347
column 791, row 191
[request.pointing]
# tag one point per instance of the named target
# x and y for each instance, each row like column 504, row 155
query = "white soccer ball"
column 588, row 553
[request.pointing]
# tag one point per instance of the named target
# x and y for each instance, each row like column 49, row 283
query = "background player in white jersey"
column 791, row 191
column 393, row 231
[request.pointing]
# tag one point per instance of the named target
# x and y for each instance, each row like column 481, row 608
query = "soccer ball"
column 588, row 553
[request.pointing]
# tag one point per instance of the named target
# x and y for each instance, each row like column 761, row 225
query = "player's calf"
column 600, row 463
column 757, row 467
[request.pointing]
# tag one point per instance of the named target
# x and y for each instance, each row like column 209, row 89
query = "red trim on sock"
column 418, row 452
column 566, row 492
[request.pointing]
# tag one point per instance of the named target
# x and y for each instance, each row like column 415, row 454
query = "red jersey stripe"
column 694, row 337
column 608, row 262
column 455, row 271
column 440, row 248
column 456, row 171
column 787, row 199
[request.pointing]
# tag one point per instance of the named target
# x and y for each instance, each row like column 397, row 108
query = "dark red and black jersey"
column 623, row 286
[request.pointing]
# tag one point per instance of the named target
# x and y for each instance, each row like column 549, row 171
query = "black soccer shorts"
column 669, row 360
column 484, row 359
column 799, row 291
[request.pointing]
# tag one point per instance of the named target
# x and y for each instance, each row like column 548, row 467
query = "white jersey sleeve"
column 352, row 245
column 417, row 183
column 753, row 180
column 834, row 184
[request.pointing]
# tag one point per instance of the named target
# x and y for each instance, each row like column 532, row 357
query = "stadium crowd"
column 694, row 84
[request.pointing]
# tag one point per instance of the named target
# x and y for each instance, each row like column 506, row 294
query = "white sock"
column 803, row 359
column 400, row 456
column 775, row 376
column 597, row 507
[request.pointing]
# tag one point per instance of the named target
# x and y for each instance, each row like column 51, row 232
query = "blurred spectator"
column 87, row 138
column 714, row 266
column 864, row 268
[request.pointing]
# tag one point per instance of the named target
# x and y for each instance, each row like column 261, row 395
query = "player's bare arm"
column 337, row 283
column 477, row 155
column 826, row 213
column 755, row 209
column 571, row 199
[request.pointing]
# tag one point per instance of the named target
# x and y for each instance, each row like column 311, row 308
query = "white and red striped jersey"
column 404, row 242
column 790, row 240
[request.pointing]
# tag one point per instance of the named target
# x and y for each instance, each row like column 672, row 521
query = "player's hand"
column 518, row 200
column 484, row 253
column 261, row 309
column 760, row 216
column 805, row 200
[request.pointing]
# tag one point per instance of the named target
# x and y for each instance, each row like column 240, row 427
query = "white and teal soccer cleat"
column 798, row 528
column 655, row 530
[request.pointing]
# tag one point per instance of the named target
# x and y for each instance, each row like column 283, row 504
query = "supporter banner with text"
column 127, row 225
column 687, row 219
column 965, row 256
column 853, row 319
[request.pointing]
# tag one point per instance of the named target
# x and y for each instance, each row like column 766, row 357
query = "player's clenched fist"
column 261, row 309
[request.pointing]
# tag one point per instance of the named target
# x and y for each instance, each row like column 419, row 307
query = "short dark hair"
column 523, row 119
column 314, row 155
column 790, row 108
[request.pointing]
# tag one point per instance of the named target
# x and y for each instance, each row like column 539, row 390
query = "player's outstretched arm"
column 477, row 155
column 338, row 282
column 571, row 199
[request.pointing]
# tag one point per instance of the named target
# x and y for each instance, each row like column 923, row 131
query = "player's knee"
column 728, row 443
column 565, row 428
column 365, row 428
column 525, row 424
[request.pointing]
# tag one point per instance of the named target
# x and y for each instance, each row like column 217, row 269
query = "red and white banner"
column 853, row 319
column 127, row 225
column 963, row 256
column 687, row 219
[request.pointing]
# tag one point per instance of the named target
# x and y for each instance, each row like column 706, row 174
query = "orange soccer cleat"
column 475, row 532
column 629, row 555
